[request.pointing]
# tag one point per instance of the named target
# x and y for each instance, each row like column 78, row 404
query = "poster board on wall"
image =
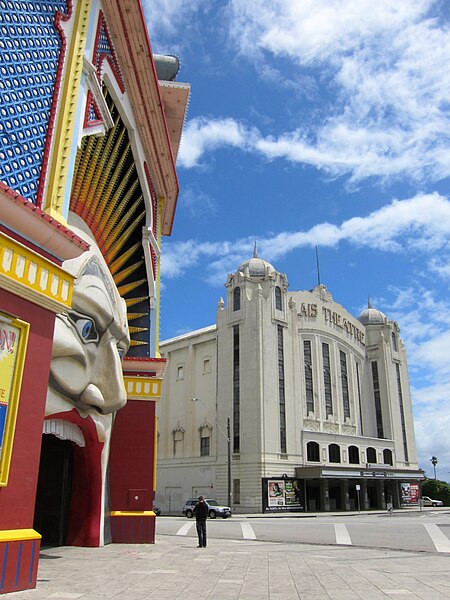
column 13, row 345
column 283, row 494
column 410, row 493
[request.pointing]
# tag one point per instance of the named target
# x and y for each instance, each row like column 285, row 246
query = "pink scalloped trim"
column 114, row 63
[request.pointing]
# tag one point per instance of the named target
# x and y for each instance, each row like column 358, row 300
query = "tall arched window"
column 237, row 298
column 334, row 453
column 353, row 455
column 312, row 451
column 387, row 457
column 278, row 298
column 371, row 455
column 394, row 342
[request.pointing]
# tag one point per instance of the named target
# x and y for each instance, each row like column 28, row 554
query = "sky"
column 318, row 123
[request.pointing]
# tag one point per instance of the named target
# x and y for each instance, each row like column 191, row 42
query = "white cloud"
column 201, row 135
column 385, row 65
column 165, row 19
column 431, row 427
column 314, row 30
column 418, row 224
column 197, row 203
column 382, row 66
column 425, row 329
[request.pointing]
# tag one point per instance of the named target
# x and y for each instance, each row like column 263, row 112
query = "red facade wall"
column 131, row 463
column 18, row 497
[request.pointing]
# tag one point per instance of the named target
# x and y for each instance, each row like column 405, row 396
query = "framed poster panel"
column 282, row 494
column 13, row 346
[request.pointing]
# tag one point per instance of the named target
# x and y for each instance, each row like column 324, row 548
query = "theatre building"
column 318, row 403
column 90, row 125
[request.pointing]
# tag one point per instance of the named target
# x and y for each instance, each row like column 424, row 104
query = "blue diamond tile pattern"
column 29, row 52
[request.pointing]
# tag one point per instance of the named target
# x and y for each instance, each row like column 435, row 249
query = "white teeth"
column 64, row 431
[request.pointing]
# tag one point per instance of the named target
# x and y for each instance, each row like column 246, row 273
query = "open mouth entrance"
column 51, row 517
column 68, row 508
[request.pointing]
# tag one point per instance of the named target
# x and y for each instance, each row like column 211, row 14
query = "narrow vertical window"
column 237, row 298
column 353, row 455
column 371, row 456
column 278, row 298
column 204, row 446
column 327, row 379
column 358, row 384
column 281, row 391
column 377, row 400
column 394, row 342
column 312, row 452
column 387, row 457
column 236, row 491
column 309, row 390
column 178, row 442
column 402, row 412
column 334, row 453
column 236, row 390
column 344, row 383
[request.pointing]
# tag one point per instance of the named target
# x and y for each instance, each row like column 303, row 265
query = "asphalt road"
column 426, row 531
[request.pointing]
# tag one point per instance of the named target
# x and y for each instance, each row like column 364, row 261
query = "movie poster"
column 9, row 342
column 13, row 341
column 282, row 494
column 276, row 493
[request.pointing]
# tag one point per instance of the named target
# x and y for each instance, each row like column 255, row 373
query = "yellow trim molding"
column 142, row 388
column 63, row 134
column 130, row 513
column 19, row 535
column 32, row 277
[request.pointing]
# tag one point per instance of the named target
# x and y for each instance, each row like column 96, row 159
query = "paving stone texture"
column 174, row 568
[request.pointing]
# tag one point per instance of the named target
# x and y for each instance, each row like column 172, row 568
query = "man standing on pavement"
column 201, row 512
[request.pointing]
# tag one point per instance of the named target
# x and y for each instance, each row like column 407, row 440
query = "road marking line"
column 342, row 535
column 185, row 529
column 440, row 541
column 247, row 531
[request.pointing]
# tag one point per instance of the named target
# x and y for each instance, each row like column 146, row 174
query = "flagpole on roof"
column 318, row 266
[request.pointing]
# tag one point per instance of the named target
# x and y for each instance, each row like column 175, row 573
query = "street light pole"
column 228, row 438
column 229, row 460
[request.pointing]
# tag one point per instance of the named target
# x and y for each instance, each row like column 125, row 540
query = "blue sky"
column 318, row 122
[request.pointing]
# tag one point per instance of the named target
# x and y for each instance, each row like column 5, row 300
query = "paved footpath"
column 174, row 568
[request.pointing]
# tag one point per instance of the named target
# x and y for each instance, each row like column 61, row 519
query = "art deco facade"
column 318, row 400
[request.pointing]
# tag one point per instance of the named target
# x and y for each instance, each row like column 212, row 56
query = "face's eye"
column 85, row 327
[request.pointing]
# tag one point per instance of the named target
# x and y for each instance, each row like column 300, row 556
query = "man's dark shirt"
column 200, row 510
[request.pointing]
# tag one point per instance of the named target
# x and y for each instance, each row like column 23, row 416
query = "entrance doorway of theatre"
column 335, row 495
column 372, row 495
column 51, row 516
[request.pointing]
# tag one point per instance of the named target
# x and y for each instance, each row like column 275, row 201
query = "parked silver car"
column 427, row 501
column 214, row 508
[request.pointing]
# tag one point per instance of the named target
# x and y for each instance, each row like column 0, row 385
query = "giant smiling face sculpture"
column 86, row 384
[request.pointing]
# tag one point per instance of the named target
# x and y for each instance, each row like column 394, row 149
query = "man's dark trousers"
column 201, row 532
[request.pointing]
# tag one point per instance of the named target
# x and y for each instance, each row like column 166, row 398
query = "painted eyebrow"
column 87, row 304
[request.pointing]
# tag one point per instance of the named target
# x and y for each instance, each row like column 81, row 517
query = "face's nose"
column 107, row 389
